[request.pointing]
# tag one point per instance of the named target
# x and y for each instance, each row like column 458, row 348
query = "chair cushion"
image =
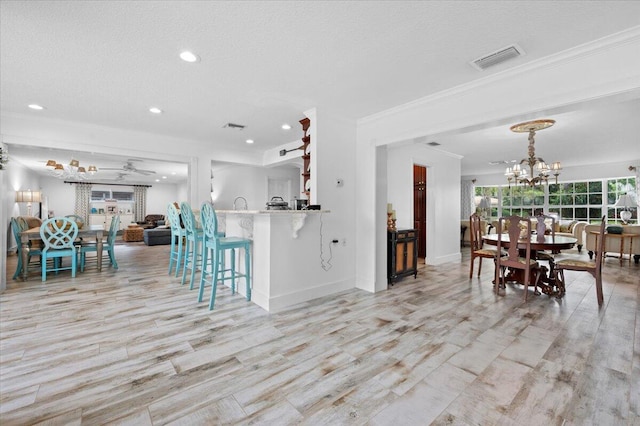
column 532, row 262
column 485, row 252
column 568, row 263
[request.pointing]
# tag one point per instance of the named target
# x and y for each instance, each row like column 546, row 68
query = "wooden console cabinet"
column 402, row 254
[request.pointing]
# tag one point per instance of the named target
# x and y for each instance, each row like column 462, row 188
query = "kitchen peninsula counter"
column 287, row 266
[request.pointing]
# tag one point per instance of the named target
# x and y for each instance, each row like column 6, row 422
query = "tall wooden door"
column 420, row 207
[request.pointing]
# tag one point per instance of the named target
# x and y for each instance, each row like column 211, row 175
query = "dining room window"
column 580, row 201
column 522, row 200
column 584, row 201
column 615, row 189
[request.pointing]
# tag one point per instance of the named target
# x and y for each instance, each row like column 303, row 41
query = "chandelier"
column 71, row 171
column 539, row 171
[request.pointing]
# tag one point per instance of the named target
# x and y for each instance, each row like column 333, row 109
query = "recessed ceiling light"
column 155, row 110
column 286, row 126
column 249, row 141
column 164, row 177
column 157, row 180
column 36, row 107
column 189, row 56
column 173, row 173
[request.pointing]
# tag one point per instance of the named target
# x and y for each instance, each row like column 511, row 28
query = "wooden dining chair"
column 108, row 246
column 541, row 231
column 213, row 248
column 594, row 267
column 59, row 235
column 519, row 232
column 477, row 250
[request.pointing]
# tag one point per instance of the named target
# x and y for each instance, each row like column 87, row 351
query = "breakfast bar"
column 289, row 255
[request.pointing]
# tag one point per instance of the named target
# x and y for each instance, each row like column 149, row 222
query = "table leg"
column 99, row 249
column 25, row 257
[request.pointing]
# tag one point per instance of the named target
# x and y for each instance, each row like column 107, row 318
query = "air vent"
column 433, row 144
column 497, row 57
column 234, row 126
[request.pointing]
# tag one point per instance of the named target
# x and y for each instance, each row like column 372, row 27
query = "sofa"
column 151, row 221
column 157, row 236
column 615, row 244
column 466, row 237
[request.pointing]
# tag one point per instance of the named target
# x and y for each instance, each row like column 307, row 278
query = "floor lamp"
column 28, row 197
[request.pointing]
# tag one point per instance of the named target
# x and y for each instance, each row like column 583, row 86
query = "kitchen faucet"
column 246, row 206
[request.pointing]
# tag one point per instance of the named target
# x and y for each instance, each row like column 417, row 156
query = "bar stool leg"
column 187, row 255
column 247, row 277
column 214, row 278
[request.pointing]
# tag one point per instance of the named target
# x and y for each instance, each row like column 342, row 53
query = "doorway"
column 420, row 207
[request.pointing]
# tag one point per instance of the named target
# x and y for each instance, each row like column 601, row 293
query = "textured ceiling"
column 264, row 63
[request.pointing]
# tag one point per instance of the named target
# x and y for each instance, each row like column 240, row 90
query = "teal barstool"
column 59, row 235
column 178, row 235
column 214, row 247
column 194, row 236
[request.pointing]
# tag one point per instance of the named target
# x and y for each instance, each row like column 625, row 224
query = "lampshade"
column 485, row 203
column 74, row 163
column 624, row 201
column 28, row 196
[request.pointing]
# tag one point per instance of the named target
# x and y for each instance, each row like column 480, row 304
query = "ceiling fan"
column 129, row 167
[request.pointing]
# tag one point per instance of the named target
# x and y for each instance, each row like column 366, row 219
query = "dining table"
column 552, row 243
column 87, row 232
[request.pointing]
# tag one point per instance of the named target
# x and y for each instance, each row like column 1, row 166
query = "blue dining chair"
column 213, row 248
column 178, row 235
column 31, row 251
column 192, row 252
column 107, row 246
column 58, row 235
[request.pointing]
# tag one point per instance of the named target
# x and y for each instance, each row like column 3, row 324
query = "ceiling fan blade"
column 144, row 172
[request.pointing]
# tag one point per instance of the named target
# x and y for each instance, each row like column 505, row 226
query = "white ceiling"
column 264, row 63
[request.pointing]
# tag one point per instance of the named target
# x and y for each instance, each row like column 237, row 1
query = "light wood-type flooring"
column 133, row 347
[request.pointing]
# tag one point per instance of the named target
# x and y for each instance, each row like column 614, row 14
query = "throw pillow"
column 614, row 229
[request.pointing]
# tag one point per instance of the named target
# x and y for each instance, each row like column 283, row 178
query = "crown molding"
column 630, row 35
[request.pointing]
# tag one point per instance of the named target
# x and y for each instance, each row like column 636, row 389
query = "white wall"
column 159, row 196
column 61, row 197
column 236, row 180
column 333, row 150
column 14, row 178
column 443, row 197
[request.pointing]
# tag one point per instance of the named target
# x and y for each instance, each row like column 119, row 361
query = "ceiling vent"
column 497, row 57
column 433, row 144
column 234, row 126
